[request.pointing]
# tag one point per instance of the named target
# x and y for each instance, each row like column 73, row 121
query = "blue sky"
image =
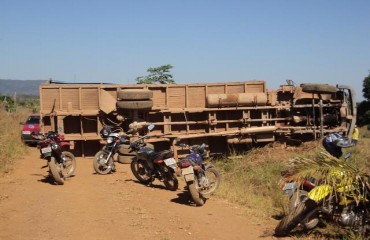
column 310, row 41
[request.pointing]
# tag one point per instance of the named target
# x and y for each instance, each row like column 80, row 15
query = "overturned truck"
column 223, row 115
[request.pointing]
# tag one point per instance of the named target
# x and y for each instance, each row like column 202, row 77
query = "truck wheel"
column 318, row 88
column 134, row 94
column 147, row 104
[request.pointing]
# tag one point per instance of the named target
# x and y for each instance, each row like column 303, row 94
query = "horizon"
column 207, row 41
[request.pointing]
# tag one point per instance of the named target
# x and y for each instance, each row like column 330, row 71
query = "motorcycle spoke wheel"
column 210, row 183
column 69, row 164
column 99, row 163
column 140, row 171
column 170, row 180
column 56, row 171
column 290, row 221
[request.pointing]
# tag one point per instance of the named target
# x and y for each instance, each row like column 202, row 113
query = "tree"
column 366, row 88
column 363, row 108
column 157, row 75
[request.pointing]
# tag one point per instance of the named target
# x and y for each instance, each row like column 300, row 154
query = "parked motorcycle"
column 342, row 196
column 103, row 162
column 149, row 165
column 201, row 178
column 62, row 163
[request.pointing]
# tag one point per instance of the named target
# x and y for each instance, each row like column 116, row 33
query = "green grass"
column 11, row 146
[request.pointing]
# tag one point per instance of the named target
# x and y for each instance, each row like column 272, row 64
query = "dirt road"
column 113, row 206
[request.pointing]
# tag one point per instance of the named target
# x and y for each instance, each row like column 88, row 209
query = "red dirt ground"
column 114, row 206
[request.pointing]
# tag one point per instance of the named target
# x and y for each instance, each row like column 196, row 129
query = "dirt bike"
column 201, row 178
column 103, row 162
column 62, row 163
column 346, row 203
column 149, row 165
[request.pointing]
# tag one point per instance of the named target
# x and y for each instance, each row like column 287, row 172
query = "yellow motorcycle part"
column 320, row 192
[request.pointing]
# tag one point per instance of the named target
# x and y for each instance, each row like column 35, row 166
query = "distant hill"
column 20, row 87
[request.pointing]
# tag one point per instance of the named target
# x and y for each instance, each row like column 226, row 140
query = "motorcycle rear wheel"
column 99, row 165
column 140, row 171
column 214, row 178
column 70, row 164
column 194, row 193
column 56, row 171
column 170, row 180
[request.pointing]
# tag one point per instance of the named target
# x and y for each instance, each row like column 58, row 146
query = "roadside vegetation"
column 251, row 180
column 11, row 146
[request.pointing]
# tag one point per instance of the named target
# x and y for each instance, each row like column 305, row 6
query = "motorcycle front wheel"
column 169, row 179
column 99, row 163
column 56, row 171
column 140, row 171
column 290, row 221
column 211, row 182
column 69, row 164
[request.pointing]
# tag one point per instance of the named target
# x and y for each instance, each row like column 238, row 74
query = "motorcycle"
column 103, row 162
column 62, row 163
column 342, row 196
column 149, row 165
column 201, row 178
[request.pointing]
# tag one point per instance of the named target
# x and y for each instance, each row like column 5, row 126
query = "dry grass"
column 11, row 146
column 251, row 180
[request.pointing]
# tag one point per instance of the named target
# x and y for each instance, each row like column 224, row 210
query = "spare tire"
column 318, row 88
column 125, row 159
column 124, row 150
column 134, row 94
column 147, row 104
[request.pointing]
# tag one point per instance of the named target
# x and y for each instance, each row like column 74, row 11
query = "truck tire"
column 318, row 88
column 134, row 94
column 146, row 104
column 124, row 149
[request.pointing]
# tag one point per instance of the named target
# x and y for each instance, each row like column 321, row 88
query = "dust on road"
column 114, row 206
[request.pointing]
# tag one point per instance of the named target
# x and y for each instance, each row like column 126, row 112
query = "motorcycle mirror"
column 130, row 131
column 348, row 155
column 151, row 127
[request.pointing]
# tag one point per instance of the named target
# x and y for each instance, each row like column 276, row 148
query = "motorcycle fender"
column 320, row 192
column 188, row 173
column 62, row 144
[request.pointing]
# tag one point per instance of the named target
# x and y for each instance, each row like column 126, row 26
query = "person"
column 355, row 136
column 334, row 142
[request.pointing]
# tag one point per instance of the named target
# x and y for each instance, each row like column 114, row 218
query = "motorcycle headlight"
column 109, row 140
column 54, row 146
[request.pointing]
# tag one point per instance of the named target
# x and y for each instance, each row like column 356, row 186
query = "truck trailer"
column 223, row 115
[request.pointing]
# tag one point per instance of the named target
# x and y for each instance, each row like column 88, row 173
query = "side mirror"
column 348, row 155
column 151, row 127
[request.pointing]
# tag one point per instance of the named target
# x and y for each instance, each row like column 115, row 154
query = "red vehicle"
column 32, row 124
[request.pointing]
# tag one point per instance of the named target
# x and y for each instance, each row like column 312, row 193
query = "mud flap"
column 188, row 173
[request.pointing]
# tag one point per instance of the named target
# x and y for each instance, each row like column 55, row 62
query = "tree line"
column 363, row 108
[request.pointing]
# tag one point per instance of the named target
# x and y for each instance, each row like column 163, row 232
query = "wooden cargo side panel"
column 235, row 88
column 196, row 96
column 159, row 97
column 70, row 99
column 257, row 87
column 50, row 100
column 89, row 99
column 214, row 89
column 176, row 97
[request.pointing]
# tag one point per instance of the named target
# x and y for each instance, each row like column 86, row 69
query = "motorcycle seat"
column 163, row 155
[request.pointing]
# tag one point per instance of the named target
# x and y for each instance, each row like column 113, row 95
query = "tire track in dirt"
column 114, row 206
